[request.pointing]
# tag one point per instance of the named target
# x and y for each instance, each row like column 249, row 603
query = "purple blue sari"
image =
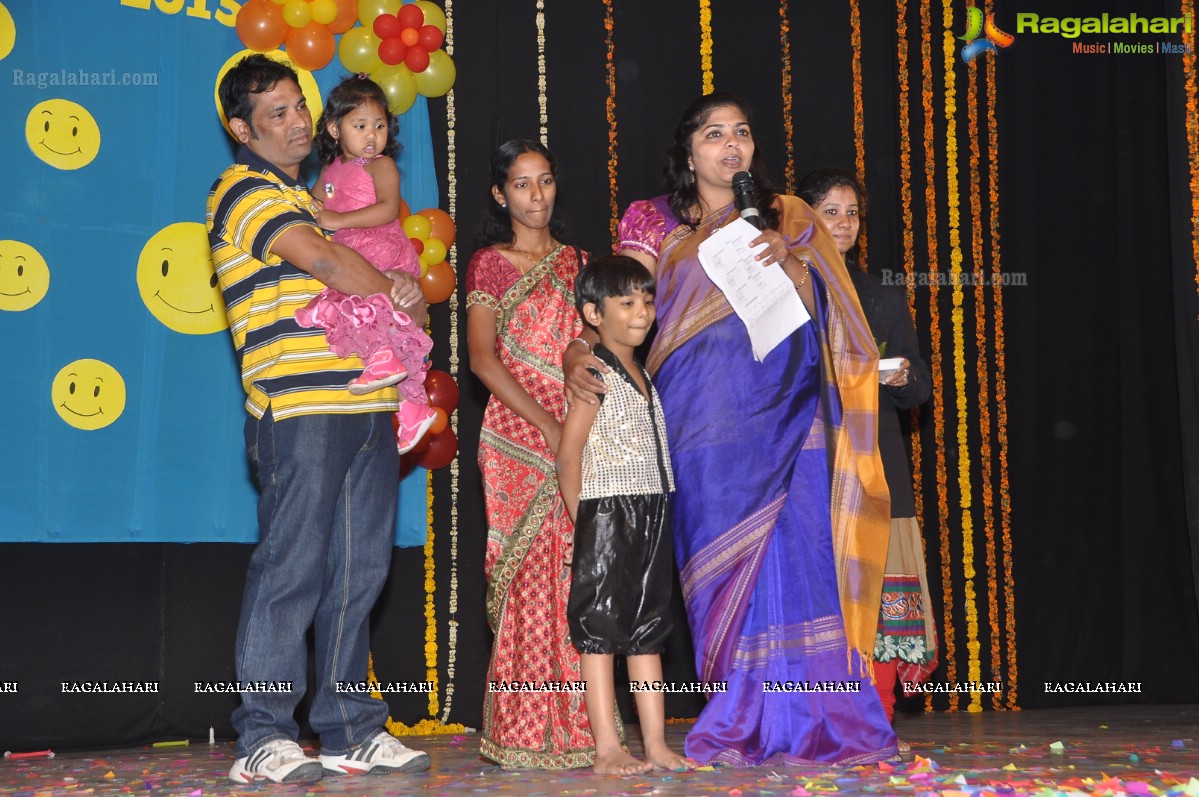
column 778, row 548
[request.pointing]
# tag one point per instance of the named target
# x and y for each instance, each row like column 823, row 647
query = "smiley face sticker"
column 88, row 394
column 8, row 32
column 63, row 134
column 176, row 280
column 24, row 276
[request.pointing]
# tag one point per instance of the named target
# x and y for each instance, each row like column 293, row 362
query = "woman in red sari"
column 520, row 317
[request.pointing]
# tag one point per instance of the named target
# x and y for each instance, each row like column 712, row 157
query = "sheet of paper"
column 763, row 297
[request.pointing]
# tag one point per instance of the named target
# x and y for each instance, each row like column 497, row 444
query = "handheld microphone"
column 746, row 198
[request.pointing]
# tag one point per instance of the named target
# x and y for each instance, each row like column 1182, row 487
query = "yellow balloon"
column 63, row 134
column 399, row 86
column 359, row 50
column 176, row 280
column 307, row 85
column 369, row 9
column 417, row 226
column 324, row 11
column 24, row 276
column 297, row 13
column 439, row 75
column 435, row 250
column 88, row 394
column 8, row 32
column 433, row 14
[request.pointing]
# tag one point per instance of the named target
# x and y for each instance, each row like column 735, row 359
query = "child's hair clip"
column 361, row 76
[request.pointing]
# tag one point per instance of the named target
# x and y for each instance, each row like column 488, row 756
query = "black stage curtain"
column 1101, row 349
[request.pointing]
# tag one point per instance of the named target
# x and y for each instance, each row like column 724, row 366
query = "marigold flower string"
column 859, row 116
column 965, row 488
column 930, row 212
column 1005, row 503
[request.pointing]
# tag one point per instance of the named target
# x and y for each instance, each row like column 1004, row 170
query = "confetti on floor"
column 1137, row 751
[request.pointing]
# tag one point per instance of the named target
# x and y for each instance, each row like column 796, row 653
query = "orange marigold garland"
column 705, row 45
column 859, row 116
column 965, row 499
column 981, row 373
column 788, row 124
column 1005, row 503
column 610, row 110
column 930, row 212
column 1192, row 125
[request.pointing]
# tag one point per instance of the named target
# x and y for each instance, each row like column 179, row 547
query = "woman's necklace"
column 532, row 257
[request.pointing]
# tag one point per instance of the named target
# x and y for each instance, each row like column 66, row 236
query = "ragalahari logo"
column 974, row 26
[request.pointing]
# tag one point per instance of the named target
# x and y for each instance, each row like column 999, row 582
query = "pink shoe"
column 415, row 420
column 382, row 370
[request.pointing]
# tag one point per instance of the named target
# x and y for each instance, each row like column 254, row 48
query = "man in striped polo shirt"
column 325, row 460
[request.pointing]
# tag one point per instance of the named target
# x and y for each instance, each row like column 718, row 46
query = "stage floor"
column 1149, row 751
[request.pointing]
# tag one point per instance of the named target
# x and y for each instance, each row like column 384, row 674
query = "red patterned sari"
column 528, row 529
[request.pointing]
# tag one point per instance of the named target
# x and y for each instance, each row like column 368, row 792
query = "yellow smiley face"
column 88, row 394
column 308, row 87
column 24, row 276
column 176, row 280
column 63, row 134
column 8, row 32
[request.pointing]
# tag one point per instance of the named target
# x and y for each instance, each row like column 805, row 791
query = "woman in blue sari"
column 781, row 516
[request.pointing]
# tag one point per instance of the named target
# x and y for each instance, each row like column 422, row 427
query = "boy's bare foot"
column 618, row 762
column 663, row 757
column 902, row 746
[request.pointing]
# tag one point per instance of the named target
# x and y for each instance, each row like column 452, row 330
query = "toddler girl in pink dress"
column 360, row 188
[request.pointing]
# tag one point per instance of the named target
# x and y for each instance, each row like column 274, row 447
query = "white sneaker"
column 280, row 761
column 382, row 754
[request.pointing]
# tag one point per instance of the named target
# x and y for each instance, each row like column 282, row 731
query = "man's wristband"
column 584, row 342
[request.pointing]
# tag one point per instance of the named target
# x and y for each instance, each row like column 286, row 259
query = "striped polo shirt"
column 284, row 367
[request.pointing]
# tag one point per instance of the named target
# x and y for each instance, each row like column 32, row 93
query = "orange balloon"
column 440, row 421
column 439, row 283
column 260, row 25
column 443, row 226
column 347, row 15
column 311, row 47
column 405, row 211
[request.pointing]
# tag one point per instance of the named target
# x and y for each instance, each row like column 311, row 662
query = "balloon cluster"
column 399, row 45
column 306, row 27
column 432, row 234
column 439, row 446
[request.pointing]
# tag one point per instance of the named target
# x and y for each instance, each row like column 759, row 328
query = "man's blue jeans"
column 326, row 518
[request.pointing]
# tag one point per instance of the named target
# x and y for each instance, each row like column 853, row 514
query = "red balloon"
column 387, row 26
column 418, row 245
column 439, row 283
column 347, row 15
column 441, row 452
column 311, row 47
column 411, row 16
column 407, row 463
column 431, row 37
column 260, row 25
column 417, row 58
column 392, row 51
column 421, row 447
column 442, row 390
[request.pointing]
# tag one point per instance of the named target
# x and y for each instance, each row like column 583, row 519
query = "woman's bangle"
column 804, row 279
column 583, row 341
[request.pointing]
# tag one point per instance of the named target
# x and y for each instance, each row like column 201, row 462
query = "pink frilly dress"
column 362, row 326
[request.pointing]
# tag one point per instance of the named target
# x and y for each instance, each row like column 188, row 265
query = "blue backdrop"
column 121, row 415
